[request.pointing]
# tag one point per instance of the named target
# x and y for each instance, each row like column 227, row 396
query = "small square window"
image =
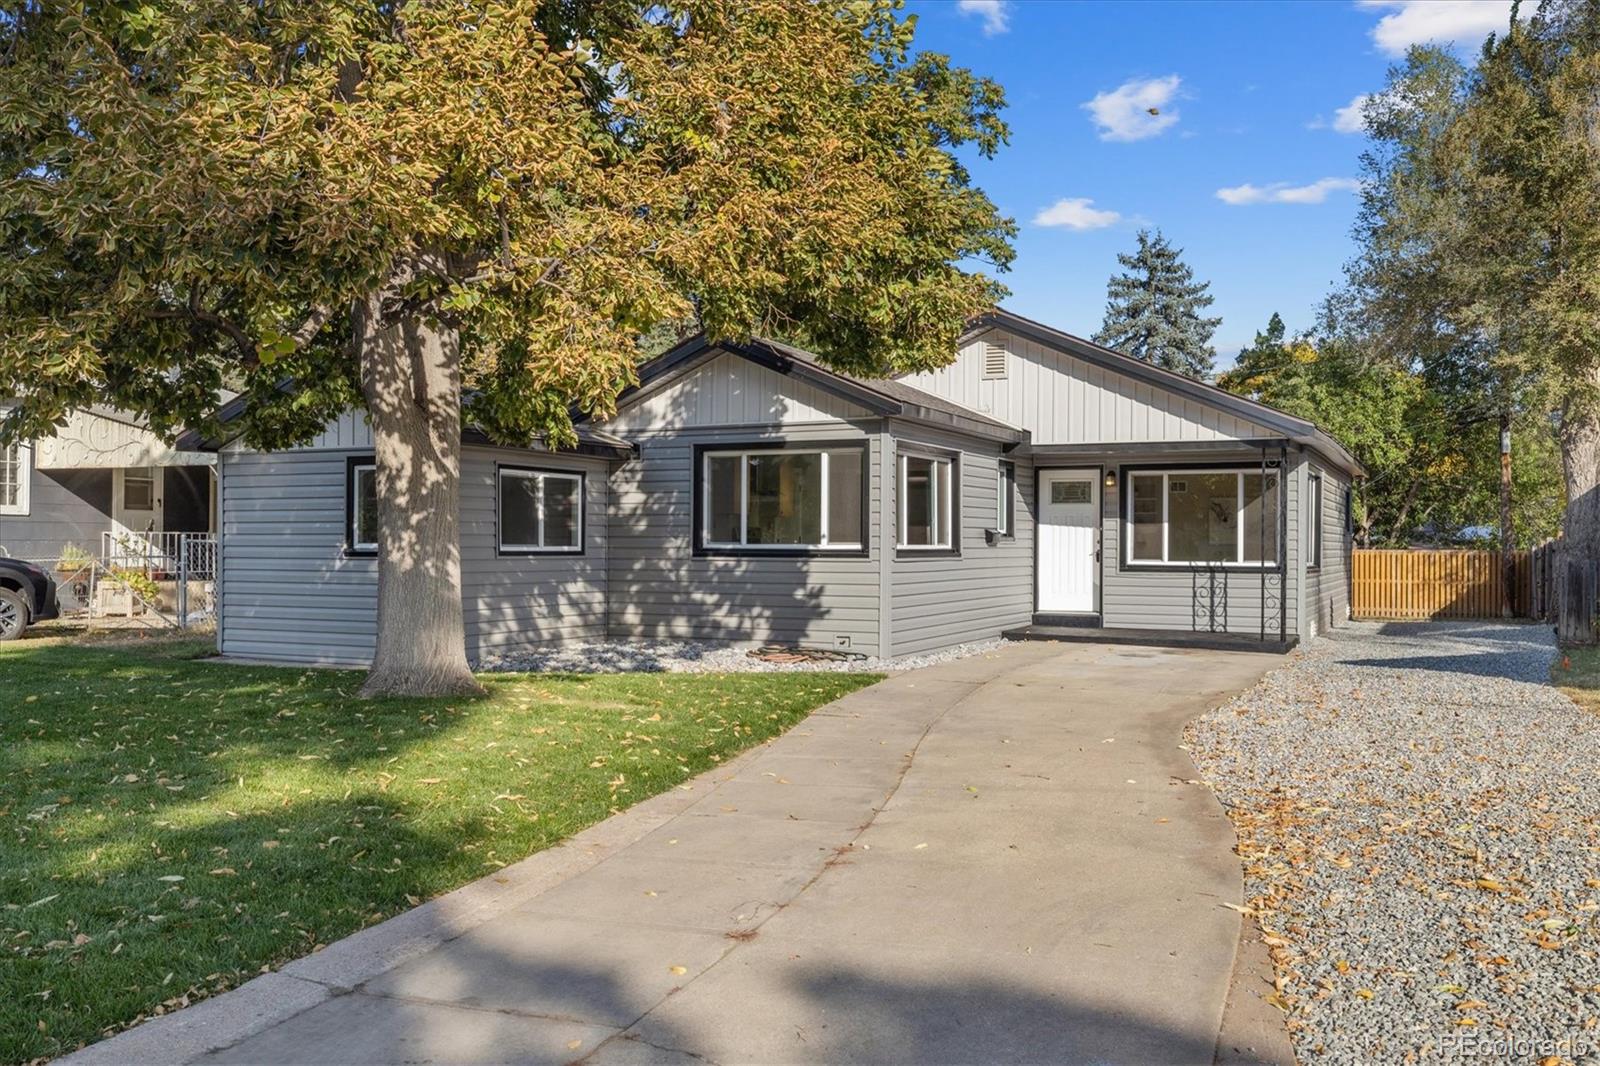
column 540, row 511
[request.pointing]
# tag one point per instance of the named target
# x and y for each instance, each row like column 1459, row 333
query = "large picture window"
column 927, row 502
column 1227, row 517
column 13, row 479
column 361, row 507
column 540, row 511
column 775, row 499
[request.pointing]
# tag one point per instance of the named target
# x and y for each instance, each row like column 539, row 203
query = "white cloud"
column 1284, row 193
column 996, row 14
column 1135, row 109
column 1349, row 118
column 1077, row 213
column 1412, row 22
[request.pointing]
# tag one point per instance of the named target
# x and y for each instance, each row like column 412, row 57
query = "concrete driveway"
column 997, row 859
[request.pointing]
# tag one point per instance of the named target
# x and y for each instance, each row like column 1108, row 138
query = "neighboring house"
column 101, row 482
column 747, row 493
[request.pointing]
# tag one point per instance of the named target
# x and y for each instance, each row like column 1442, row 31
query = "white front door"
column 1069, row 539
column 136, row 502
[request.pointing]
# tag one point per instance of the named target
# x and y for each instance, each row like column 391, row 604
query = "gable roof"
column 881, row 396
column 1296, row 429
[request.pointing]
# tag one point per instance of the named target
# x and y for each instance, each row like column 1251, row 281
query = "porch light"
column 1111, row 479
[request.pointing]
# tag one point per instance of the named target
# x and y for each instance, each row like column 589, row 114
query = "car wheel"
column 13, row 615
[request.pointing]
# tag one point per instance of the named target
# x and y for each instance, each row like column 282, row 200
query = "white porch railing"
column 183, row 565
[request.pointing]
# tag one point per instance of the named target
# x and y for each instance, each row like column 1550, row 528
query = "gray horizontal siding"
column 1229, row 600
column 289, row 593
column 660, row 588
column 1327, row 591
column 937, row 601
column 64, row 507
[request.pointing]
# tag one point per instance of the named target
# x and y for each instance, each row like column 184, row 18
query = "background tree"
column 1480, row 234
column 1430, row 453
column 1153, row 310
column 331, row 204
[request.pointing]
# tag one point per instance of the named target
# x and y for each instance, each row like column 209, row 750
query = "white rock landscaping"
column 1419, row 818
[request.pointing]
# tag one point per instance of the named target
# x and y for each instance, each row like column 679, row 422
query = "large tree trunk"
column 411, row 379
column 1580, row 468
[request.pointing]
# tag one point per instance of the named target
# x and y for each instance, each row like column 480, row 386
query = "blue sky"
column 1249, row 165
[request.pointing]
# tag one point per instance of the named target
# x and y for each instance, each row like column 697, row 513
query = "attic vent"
column 994, row 360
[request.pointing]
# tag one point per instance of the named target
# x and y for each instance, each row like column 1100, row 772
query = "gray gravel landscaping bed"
column 1419, row 818
column 699, row 657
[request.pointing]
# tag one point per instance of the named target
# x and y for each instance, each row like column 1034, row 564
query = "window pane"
column 139, row 489
column 364, row 526
column 785, row 504
column 918, row 492
column 1202, row 518
column 10, row 475
column 1005, row 489
column 722, row 524
column 1261, row 519
column 519, row 510
column 560, row 512
column 1147, row 517
column 942, row 518
column 844, row 497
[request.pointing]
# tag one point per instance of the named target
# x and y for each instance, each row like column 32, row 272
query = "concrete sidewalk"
column 1000, row 858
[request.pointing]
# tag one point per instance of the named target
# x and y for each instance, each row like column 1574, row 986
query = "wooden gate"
column 1444, row 583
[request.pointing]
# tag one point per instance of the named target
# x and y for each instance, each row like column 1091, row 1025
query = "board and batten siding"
column 660, row 588
column 729, row 390
column 1327, row 590
column 938, row 600
column 1203, row 599
column 1062, row 399
column 288, row 591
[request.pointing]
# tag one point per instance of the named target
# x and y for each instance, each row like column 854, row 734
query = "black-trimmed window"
column 1005, row 504
column 539, row 510
column 1217, row 516
column 929, row 513
column 765, row 499
column 361, row 506
column 1314, row 522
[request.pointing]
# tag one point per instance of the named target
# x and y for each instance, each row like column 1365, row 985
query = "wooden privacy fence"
column 1446, row 583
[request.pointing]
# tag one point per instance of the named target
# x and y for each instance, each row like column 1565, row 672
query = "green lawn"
column 173, row 827
column 1576, row 671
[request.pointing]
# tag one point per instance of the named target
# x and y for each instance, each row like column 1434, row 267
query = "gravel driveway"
column 1419, row 817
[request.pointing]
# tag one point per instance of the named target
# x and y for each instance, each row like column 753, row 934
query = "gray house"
column 1039, row 485
column 102, row 483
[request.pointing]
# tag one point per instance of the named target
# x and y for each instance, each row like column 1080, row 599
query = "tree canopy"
column 327, row 203
column 1153, row 310
column 1480, row 232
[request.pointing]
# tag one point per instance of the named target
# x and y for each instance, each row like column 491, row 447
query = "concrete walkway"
column 1003, row 858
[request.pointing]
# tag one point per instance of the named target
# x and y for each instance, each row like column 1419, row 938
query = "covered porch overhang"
column 95, row 441
column 1195, row 449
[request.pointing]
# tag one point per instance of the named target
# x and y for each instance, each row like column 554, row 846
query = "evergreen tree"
column 1153, row 310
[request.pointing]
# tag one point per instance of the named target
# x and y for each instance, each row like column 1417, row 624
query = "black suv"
column 27, row 595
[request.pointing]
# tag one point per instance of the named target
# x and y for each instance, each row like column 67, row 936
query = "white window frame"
column 1238, row 561
column 354, row 504
column 1004, row 495
column 942, row 505
column 744, row 455
column 541, row 476
column 24, row 480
